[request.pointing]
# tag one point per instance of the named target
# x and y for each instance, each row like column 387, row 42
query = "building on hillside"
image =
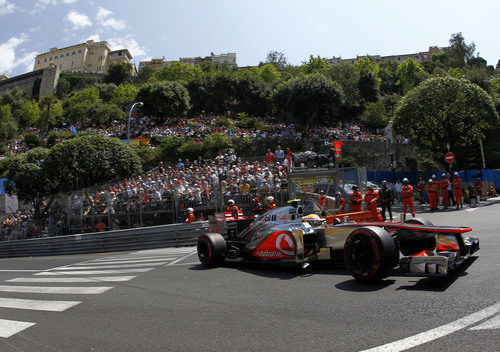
column 91, row 56
column 222, row 59
column 4, row 76
column 419, row 57
column 154, row 64
column 37, row 83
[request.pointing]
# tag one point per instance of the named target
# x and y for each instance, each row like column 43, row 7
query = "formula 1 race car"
column 371, row 249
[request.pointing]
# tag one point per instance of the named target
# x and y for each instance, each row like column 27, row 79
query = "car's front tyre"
column 370, row 253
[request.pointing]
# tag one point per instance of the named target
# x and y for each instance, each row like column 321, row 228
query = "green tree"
column 88, row 160
column 460, row 51
column 410, row 73
column 375, row 115
column 118, row 73
column 445, row 110
column 369, row 82
column 388, row 78
column 145, row 74
column 63, row 87
column 124, row 94
column 269, row 74
column 314, row 65
column 8, row 124
column 278, row 59
column 106, row 91
column 51, row 112
column 347, row 76
column 311, row 99
column 164, row 99
column 28, row 114
column 77, row 106
column 27, row 178
column 105, row 113
column 176, row 71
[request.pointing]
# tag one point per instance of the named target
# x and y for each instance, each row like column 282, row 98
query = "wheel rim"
column 204, row 251
column 362, row 256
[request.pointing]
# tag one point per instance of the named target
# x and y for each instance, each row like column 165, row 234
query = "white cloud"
column 79, row 20
column 129, row 43
column 6, row 7
column 69, row 1
column 8, row 54
column 94, row 37
column 104, row 19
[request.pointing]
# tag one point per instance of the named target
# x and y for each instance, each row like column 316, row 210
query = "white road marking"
column 18, row 271
column 36, row 304
column 493, row 323
column 138, row 261
column 178, row 264
column 438, row 332
column 181, row 258
column 57, row 290
column 11, row 327
column 471, row 209
column 72, row 279
column 130, row 259
column 113, row 266
column 94, row 272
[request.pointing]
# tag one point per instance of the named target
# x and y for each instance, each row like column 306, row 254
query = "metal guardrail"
column 174, row 235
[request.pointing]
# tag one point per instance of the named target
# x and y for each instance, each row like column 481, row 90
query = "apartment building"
column 91, row 56
column 222, row 59
column 419, row 57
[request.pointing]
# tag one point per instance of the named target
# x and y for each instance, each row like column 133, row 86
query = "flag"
column 72, row 129
column 338, row 148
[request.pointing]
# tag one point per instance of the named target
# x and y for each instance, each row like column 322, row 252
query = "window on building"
column 71, row 63
column 79, row 51
column 38, row 62
column 90, row 53
column 45, row 60
column 60, row 66
column 56, row 57
column 67, row 54
column 73, row 53
column 50, row 58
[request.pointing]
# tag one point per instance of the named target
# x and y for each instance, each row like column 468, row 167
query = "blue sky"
column 173, row 29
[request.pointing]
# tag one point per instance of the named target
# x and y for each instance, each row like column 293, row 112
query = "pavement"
column 163, row 300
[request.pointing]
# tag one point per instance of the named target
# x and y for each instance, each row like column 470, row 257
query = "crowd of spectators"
column 22, row 225
column 202, row 126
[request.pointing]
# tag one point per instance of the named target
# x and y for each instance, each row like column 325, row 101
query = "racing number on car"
column 270, row 217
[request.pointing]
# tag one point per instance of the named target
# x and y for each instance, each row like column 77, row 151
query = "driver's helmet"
column 270, row 199
column 313, row 220
column 230, row 202
column 190, row 210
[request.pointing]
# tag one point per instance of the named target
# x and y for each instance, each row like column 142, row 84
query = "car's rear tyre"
column 211, row 249
column 370, row 253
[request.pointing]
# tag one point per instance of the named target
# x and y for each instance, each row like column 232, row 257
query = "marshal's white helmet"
column 230, row 201
column 405, row 180
column 270, row 199
column 190, row 210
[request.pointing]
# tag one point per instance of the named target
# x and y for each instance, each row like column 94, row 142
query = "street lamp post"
column 139, row 103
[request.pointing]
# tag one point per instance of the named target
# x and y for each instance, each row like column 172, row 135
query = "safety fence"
column 173, row 235
column 86, row 216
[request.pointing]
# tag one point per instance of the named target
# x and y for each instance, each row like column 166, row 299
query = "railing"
column 174, row 235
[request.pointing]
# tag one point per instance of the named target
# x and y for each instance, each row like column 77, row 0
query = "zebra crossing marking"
column 94, row 272
column 73, row 290
column 12, row 327
column 72, row 279
column 135, row 262
column 113, row 266
column 37, row 304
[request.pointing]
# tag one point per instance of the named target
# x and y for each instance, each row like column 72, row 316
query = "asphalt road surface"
column 162, row 300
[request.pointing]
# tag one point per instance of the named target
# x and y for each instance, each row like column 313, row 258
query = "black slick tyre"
column 419, row 221
column 211, row 249
column 370, row 253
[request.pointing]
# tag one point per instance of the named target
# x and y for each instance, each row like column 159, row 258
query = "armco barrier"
column 120, row 240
